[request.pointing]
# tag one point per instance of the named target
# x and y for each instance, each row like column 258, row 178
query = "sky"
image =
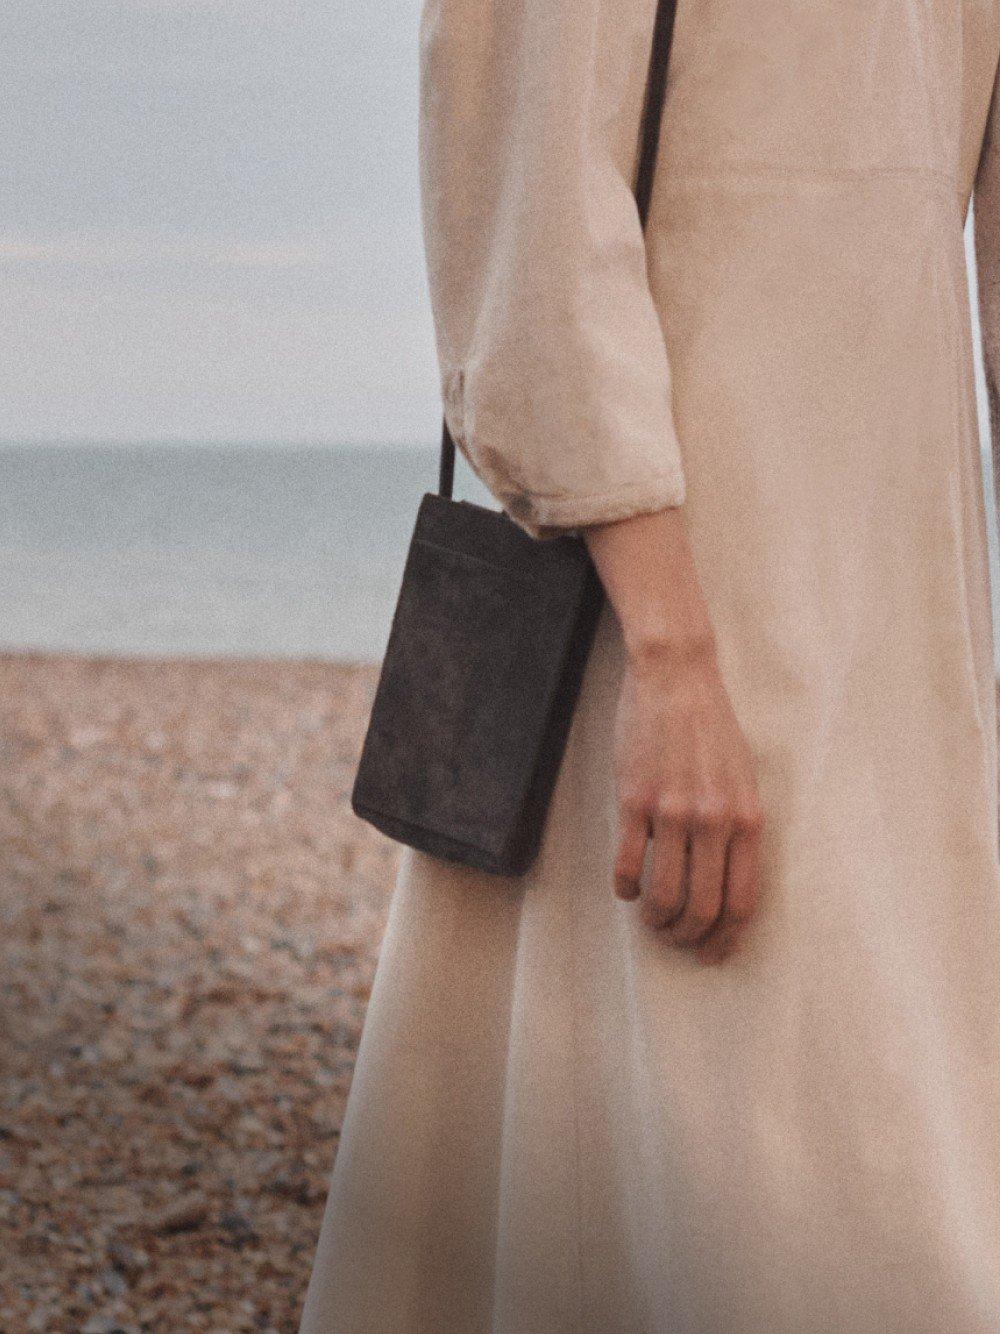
column 210, row 227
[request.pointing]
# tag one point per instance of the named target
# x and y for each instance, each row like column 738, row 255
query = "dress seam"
column 678, row 176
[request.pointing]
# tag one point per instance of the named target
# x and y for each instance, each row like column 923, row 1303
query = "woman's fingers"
column 704, row 877
column 740, row 897
column 666, row 887
column 706, row 883
column 631, row 854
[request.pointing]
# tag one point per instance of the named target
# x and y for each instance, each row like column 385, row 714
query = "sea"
column 208, row 549
column 190, row 549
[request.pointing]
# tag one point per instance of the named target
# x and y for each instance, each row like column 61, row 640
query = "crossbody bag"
column 486, row 651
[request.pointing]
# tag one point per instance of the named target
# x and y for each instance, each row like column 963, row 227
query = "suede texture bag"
column 486, row 652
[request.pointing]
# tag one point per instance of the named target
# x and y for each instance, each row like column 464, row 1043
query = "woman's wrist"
column 647, row 569
column 652, row 653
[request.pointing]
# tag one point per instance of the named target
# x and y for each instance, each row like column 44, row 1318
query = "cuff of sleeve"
column 544, row 515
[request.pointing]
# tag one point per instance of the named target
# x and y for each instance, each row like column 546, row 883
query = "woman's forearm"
column 647, row 568
column 685, row 774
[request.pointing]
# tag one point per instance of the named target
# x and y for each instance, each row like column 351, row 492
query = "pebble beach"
column 190, row 917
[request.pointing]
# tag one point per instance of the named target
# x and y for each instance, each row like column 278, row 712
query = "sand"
column 190, row 917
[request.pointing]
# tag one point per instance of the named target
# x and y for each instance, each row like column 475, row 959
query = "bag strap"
column 652, row 114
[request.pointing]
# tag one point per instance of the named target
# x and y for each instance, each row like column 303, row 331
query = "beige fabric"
column 555, row 379
column 558, row 1123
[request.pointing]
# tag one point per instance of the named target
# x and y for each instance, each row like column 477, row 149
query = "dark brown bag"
column 486, row 652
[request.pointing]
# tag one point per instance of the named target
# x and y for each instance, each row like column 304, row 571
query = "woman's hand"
column 684, row 770
column 686, row 785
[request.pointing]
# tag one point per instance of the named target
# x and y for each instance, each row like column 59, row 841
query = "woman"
column 759, row 1088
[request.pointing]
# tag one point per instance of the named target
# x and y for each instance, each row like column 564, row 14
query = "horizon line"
column 242, row 442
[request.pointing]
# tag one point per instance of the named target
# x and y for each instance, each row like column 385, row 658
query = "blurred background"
column 220, row 394
column 219, row 411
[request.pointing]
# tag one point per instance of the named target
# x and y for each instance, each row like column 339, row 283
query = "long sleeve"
column 554, row 370
column 986, row 214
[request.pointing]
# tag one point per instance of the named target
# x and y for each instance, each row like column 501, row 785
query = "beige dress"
column 558, row 1123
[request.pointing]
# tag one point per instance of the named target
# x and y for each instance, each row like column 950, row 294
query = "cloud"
column 122, row 250
column 261, row 13
column 211, row 220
